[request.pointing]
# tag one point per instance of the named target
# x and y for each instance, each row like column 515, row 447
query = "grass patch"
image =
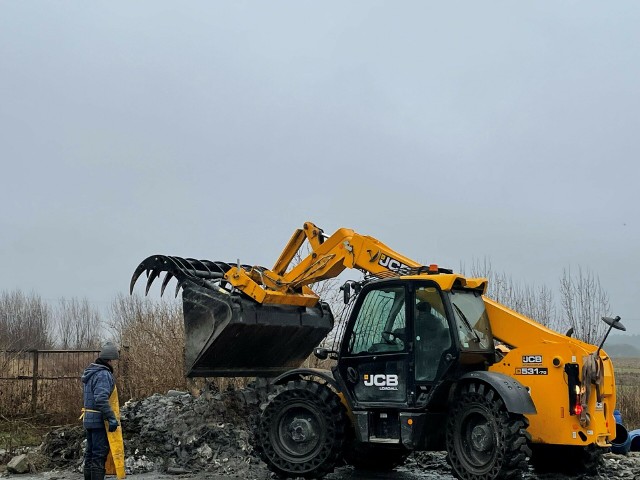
column 17, row 433
column 627, row 371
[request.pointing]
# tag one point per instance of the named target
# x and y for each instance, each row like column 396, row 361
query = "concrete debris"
column 18, row 464
column 180, row 432
column 177, row 433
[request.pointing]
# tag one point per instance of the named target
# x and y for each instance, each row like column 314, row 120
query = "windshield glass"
column 472, row 321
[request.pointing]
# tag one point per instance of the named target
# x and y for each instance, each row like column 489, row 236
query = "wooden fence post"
column 34, row 383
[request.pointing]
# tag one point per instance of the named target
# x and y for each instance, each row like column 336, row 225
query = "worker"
column 99, row 384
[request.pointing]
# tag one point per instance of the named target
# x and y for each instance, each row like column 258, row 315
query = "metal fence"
column 42, row 382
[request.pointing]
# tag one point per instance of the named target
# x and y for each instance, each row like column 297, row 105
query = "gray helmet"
column 109, row 352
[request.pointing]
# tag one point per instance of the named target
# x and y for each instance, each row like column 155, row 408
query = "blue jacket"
column 98, row 384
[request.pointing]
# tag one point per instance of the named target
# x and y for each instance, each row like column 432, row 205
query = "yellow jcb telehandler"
column 424, row 361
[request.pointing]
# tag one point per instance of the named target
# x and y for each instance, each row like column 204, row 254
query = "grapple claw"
column 198, row 271
column 227, row 333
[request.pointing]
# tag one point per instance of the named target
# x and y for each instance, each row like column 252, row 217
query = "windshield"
column 472, row 321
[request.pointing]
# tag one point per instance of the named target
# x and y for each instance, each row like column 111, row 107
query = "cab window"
column 381, row 322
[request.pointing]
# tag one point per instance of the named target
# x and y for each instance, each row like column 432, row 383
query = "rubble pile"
column 177, row 433
column 180, row 433
column 63, row 446
column 621, row 466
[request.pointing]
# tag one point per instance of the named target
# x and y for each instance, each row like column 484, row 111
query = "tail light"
column 573, row 383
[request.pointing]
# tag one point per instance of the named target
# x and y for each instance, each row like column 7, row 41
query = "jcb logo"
column 393, row 264
column 532, row 359
column 385, row 382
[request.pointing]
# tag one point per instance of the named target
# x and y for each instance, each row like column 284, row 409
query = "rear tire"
column 375, row 458
column 301, row 432
column 484, row 441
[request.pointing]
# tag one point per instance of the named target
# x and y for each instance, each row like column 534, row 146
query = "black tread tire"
column 567, row 459
column 323, row 417
column 375, row 458
column 480, row 409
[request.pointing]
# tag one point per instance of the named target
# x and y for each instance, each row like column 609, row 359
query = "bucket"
column 227, row 335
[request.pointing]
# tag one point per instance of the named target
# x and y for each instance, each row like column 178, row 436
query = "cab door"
column 375, row 358
column 432, row 336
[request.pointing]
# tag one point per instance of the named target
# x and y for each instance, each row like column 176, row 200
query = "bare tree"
column 584, row 302
column 25, row 321
column 535, row 302
column 151, row 335
column 78, row 324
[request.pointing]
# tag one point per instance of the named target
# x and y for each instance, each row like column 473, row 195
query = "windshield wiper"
column 466, row 323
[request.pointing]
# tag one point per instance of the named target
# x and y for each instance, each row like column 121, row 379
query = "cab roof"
column 446, row 281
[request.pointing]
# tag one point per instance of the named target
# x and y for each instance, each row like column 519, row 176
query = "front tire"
column 301, row 432
column 484, row 441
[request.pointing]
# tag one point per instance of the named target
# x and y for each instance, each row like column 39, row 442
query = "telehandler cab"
column 424, row 362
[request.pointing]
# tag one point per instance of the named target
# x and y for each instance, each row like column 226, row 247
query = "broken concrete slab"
column 18, row 464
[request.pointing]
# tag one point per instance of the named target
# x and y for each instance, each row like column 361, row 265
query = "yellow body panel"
column 530, row 342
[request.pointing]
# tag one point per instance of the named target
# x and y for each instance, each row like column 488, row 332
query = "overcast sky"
column 451, row 131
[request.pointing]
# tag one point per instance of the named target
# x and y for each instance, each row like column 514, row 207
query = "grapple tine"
column 178, row 288
column 182, row 265
column 141, row 268
column 223, row 266
column 198, row 265
column 165, row 281
column 152, row 275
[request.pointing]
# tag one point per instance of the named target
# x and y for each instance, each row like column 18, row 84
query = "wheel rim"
column 477, row 441
column 298, row 432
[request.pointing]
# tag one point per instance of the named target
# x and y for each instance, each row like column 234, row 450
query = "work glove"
column 113, row 424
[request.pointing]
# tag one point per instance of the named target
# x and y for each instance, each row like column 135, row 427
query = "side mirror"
column 321, row 353
column 324, row 353
column 346, row 290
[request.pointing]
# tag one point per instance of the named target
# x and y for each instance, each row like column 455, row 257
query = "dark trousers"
column 97, row 450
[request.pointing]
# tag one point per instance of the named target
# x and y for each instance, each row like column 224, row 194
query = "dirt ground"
column 341, row 474
column 616, row 467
